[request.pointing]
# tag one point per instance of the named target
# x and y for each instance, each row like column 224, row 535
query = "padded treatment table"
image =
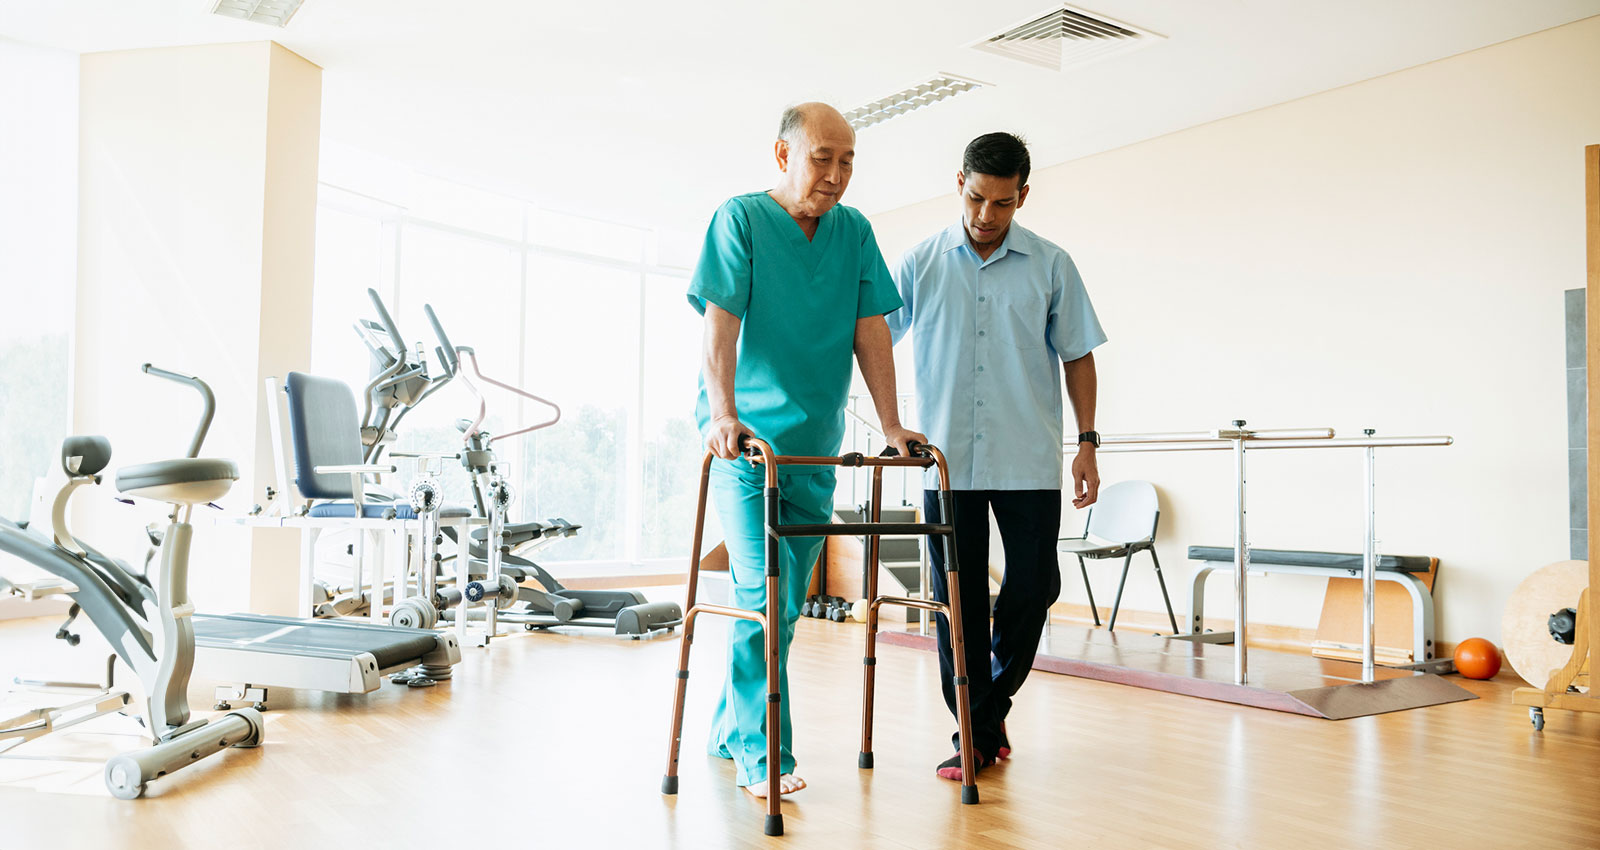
column 1401, row 569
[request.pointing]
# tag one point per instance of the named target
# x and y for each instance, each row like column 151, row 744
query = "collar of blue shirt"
column 1018, row 239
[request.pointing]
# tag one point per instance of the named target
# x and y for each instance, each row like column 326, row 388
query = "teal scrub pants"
column 738, row 728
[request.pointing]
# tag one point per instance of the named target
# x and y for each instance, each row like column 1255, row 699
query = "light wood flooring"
column 553, row 740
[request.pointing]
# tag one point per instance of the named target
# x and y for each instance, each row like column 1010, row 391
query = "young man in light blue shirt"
column 993, row 308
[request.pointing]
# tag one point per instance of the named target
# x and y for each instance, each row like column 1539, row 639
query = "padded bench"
column 1401, row 569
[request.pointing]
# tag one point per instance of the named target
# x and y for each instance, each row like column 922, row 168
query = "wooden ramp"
column 1279, row 681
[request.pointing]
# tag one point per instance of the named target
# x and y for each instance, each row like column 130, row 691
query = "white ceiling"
column 652, row 112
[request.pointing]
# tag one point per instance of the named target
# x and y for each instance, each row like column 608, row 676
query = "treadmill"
column 253, row 652
column 249, row 651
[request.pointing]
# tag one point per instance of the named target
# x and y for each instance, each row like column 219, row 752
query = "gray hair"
column 791, row 124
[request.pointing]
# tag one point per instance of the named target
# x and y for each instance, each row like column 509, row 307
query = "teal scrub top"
column 798, row 302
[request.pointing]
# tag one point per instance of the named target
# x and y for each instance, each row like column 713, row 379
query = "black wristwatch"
column 1090, row 437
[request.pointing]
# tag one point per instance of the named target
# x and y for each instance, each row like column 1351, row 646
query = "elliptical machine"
column 148, row 626
column 496, row 571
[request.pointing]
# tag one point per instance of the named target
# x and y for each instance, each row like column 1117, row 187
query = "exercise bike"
column 148, row 624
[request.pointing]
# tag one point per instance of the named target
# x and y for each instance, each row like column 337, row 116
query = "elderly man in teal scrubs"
column 791, row 284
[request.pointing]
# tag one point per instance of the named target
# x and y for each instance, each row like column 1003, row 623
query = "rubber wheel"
column 1537, row 716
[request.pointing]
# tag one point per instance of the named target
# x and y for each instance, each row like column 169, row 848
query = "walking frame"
column 760, row 452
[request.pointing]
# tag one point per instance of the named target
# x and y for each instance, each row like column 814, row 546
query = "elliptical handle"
column 388, row 324
column 445, row 351
column 210, row 400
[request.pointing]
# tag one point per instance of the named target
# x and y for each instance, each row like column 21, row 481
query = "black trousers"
column 997, row 662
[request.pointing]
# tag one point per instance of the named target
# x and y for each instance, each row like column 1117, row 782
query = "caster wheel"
column 1537, row 716
column 221, row 706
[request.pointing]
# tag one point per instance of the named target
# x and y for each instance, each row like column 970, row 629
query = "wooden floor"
column 549, row 740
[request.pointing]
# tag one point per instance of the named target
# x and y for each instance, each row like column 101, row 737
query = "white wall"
column 197, row 207
column 1390, row 255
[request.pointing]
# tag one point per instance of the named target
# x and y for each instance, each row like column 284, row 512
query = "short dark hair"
column 998, row 155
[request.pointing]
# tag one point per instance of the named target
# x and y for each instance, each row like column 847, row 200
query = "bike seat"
column 187, row 481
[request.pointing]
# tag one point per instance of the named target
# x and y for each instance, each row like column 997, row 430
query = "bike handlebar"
column 209, row 400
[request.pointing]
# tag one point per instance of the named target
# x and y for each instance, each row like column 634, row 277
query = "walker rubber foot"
column 969, row 795
column 669, row 784
column 774, row 825
column 865, row 761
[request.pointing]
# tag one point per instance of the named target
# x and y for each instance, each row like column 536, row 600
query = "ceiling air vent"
column 1066, row 37
column 274, row 12
column 939, row 88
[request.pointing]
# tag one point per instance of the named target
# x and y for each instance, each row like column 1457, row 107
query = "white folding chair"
column 1122, row 522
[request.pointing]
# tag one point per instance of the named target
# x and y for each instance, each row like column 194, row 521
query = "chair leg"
column 1089, row 590
column 1117, row 605
column 1164, row 598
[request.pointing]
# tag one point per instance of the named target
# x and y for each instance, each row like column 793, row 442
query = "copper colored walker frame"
column 759, row 451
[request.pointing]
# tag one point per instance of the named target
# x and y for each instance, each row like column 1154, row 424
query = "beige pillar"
column 197, row 210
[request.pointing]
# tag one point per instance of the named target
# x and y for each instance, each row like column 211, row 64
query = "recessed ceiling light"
column 274, row 12
column 939, row 88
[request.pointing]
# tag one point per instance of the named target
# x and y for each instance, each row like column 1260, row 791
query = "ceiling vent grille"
column 916, row 97
column 274, row 12
column 1066, row 37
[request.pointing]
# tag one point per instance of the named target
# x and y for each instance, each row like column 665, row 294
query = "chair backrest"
column 1125, row 512
column 325, row 429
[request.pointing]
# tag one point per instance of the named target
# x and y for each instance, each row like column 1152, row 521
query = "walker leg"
column 772, row 630
column 869, row 661
column 669, row 780
column 958, row 649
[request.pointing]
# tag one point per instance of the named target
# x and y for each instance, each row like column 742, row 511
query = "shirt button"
column 979, row 437
column 980, row 368
column 980, row 402
column 980, row 298
column 980, row 333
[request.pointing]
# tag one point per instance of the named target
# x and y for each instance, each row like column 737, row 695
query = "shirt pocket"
column 1021, row 318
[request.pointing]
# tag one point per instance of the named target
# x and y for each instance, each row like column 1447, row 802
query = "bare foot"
column 787, row 784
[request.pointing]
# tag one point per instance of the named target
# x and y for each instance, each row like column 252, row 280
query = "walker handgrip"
column 747, row 448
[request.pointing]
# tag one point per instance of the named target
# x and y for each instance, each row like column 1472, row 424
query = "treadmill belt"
column 391, row 646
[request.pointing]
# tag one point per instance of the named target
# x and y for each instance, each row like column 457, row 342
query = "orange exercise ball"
column 1477, row 658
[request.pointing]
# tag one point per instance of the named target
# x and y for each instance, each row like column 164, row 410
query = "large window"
column 588, row 314
column 38, row 263
column 672, row 447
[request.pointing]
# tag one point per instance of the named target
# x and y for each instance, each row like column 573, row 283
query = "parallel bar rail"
column 1240, row 440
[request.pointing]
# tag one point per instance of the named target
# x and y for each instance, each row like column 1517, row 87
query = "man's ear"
column 961, row 182
column 780, row 152
column 1022, row 196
